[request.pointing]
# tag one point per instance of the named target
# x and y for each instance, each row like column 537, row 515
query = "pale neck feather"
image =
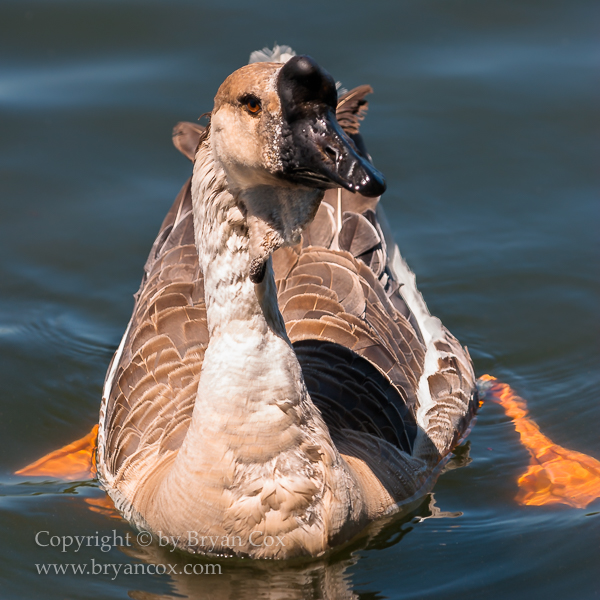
column 223, row 248
column 257, row 455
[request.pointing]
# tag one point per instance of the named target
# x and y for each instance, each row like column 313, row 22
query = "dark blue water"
column 485, row 122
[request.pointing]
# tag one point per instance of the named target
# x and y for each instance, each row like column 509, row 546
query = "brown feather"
column 352, row 108
column 322, row 230
column 186, row 137
column 357, row 235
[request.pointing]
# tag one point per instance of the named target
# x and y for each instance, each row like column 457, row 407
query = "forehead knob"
column 302, row 81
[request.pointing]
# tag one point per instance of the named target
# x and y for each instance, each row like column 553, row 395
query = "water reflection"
column 306, row 579
column 206, row 577
column 555, row 475
column 252, row 579
column 232, row 578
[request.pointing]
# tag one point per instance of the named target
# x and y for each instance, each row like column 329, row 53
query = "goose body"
column 281, row 382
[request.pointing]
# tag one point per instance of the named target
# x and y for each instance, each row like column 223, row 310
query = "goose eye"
column 252, row 105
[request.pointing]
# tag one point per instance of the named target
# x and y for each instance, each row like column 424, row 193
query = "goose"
column 281, row 383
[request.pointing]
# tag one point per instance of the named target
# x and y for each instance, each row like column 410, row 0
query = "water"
column 485, row 123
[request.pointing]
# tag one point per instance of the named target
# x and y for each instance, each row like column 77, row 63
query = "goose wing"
column 151, row 385
column 374, row 360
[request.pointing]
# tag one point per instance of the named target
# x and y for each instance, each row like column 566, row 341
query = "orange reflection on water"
column 74, row 462
column 555, row 475
column 104, row 506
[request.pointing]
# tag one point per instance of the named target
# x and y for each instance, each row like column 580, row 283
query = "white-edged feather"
column 279, row 54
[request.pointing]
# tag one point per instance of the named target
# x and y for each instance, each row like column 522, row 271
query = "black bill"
column 315, row 150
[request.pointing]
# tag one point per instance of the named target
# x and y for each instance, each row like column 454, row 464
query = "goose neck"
column 233, row 301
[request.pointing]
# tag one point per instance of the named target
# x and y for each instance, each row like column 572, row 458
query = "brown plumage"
column 361, row 348
column 352, row 108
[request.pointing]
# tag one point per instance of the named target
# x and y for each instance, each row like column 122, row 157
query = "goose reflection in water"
column 328, row 577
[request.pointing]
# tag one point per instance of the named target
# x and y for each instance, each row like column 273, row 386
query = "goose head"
column 275, row 134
